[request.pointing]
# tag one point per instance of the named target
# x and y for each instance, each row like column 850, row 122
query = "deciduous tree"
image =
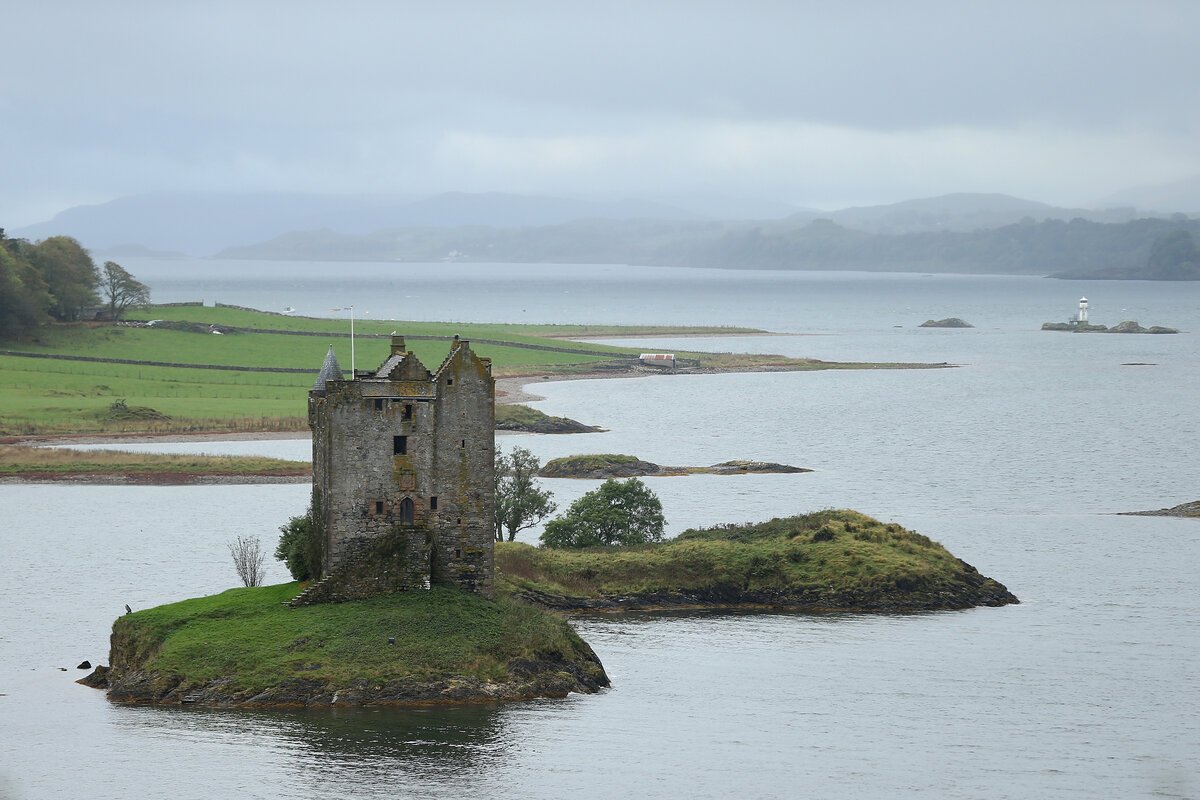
column 248, row 560
column 121, row 290
column 521, row 502
column 69, row 273
column 619, row 512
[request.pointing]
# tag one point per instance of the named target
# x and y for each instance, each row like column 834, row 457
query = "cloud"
column 802, row 101
column 818, row 165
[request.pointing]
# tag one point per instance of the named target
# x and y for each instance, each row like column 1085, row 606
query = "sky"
column 813, row 104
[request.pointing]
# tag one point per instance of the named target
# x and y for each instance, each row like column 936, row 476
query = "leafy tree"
column 521, row 502
column 301, row 546
column 618, row 513
column 121, row 290
column 24, row 299
column 69, row 273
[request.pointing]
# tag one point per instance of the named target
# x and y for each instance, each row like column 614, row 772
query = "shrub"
column 302, row 544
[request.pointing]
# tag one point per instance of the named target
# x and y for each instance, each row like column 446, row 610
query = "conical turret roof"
column 330, row 371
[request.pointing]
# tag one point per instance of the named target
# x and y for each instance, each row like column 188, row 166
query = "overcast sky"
column 820, row 104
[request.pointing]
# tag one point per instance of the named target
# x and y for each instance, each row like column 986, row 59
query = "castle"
column 403, row 475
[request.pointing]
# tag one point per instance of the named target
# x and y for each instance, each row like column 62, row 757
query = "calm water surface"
column 1015, row 461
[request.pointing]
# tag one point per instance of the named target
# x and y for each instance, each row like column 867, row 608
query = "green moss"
column 249, row 637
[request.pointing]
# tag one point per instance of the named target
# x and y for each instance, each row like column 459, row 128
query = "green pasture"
column 268, row 349
column 530, row 334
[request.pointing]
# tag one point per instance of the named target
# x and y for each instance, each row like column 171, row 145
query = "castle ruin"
column 403, row 486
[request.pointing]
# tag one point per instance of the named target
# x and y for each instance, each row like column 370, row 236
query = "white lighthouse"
column 1082, row 311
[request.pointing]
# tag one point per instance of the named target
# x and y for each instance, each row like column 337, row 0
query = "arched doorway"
column 406, row 511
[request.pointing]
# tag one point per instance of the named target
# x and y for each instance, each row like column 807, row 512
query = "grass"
column 830, row 553
column 41, row 396
column 246, row 318
column 248, row 637
column 21, row 460
column 567, row 466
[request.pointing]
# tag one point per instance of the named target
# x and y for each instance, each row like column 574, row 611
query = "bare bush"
column 248, row 560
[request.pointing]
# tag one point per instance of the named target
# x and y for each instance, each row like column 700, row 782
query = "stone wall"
column 393, row 562
column 413, row 450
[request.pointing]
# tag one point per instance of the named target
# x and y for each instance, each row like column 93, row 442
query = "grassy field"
column 45, row 396
column 48, row 462
column 250, row 638
column 830, row 559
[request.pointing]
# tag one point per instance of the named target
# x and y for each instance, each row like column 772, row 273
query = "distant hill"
column 1027, row 247
column 962, row 212
column 202, row 224
column 956, row 232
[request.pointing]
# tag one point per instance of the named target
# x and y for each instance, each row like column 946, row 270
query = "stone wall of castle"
column 409, row 450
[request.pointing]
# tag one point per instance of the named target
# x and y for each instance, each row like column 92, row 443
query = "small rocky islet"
column 948, row 322
column 602, row 466
column 1127, row 326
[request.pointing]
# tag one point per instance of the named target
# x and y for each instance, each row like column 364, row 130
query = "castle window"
column 449, row 381
column 378, row 506
column 462, row 442
column 408, row 412
column 399, row 445
column 433, row 503
column 378, row 404
column 458, row 553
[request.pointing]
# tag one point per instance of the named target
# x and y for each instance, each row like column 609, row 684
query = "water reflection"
column 358, row 748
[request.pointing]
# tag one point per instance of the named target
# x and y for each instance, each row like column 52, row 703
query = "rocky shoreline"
column 547, row 675
column 1191, row 509
column 972, row 591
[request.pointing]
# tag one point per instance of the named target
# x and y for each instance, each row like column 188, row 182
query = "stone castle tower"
column 403, row 463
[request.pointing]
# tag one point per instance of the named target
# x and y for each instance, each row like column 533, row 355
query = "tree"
column 69, row 273
column 520, row 501
column 24, row 299
column 618, row 513
column 248, row 560
column 301, row 545
column 121, row 290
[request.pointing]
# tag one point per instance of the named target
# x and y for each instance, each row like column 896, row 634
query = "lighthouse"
column 1082, row 311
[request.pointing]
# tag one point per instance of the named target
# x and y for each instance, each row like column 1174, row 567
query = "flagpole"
column 351, row 310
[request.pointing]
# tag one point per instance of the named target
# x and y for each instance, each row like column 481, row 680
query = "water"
column 1016, row 461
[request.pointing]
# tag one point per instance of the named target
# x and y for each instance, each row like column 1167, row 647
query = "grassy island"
column 828, row 560
column 243, row 647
